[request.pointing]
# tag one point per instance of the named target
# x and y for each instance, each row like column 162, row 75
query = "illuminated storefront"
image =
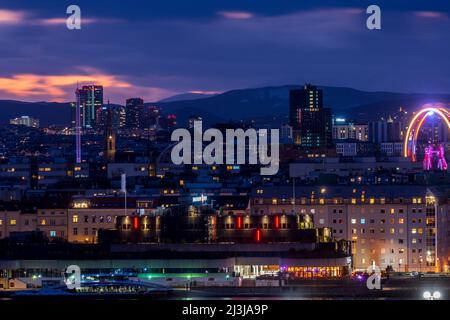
column 300, row 268
column 314, row 272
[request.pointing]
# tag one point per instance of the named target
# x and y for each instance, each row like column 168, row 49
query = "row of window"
column 391, row 231
column 312, row 199
column 52, row 212
column 313, row 210
column 383, row 251
column 382, row 221
column 101, row 219
column 85, row 231
column 230, row 226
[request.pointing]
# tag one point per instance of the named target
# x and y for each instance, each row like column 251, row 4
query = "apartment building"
column 387, row 225
column 52, row 222
column 15, row 218
column 86, row 215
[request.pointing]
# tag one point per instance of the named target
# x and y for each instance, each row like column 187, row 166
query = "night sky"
column 154, row 49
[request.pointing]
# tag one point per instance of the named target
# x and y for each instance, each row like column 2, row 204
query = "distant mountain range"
column 266, row 106
column 46, row 112
column 186, row 96
column 269, row 105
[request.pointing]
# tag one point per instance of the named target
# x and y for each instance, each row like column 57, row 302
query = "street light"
column 435, row 296
column 427, row 295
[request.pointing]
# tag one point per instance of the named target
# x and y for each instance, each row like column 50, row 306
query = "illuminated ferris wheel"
column 433, row 154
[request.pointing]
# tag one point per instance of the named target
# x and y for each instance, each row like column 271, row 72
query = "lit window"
column 353, row 201
column 353, row 221
column 1, row 222
column 401, row 220
column 52, row 233
column 413, row 230
column 13, row 222
column 363, row 221
column 75, row 219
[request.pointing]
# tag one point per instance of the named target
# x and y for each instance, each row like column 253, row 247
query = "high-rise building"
column 154, row 114
column 310, row 121
column 134, row 110
column 435, row 131
column 91, row 103
column 387, row 130
column 102, row 115
column 25, row 121
column 343, row 130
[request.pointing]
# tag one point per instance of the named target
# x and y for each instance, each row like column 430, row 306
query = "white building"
column 387, row 225
column 25, row 121
column 350, row 131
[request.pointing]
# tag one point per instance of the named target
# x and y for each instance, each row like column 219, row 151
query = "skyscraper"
column 388, row 130
column 310, row 121
column 134, row 111
column 91, row 103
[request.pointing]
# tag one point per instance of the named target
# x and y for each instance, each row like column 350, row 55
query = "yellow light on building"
column 81, row 205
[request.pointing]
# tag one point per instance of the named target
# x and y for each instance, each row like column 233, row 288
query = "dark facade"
column 267, row 229
column 196, row 225
column 385, row 131
column 134, row 111
column 311, row 122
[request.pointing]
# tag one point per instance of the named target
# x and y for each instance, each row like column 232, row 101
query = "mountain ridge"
column 267, row 104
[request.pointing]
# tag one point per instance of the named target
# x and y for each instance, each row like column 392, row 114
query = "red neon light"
column 277, row 222
column 135, row 222
column 239, row 222
column 258, row 235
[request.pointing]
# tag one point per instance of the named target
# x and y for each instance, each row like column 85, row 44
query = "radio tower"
column 78, row 127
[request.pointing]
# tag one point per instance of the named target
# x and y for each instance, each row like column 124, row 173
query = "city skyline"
column 224, row 150
column 136, row 51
